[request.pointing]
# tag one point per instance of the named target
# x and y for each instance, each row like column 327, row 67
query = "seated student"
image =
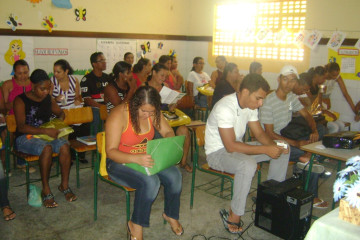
column 8, row 213
column 128, row 128
column 157, row 81
column 275, row 115
column 216, row 75
column 31, row 110
column 20, row 83
column 255, row 67
column 65, row 89
column 141, row 71
column 129, row 58
column 178, row 78
column 121, row 85
column 229, row 81
column 92, row 87
column 3, row 130
column 197, row 78
column 226, row 152
column 170, row 79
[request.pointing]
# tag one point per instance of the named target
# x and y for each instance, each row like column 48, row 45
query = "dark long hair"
column 138, row 67
column 119, row 67
column 319, row 70
column 195, row 61
column 20, row 62
column 331, row 67
column 65, row 65
column 157, row 67
column 144, row 95
column 228, row 68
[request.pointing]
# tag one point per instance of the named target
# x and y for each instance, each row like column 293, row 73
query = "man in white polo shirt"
column 226, row 151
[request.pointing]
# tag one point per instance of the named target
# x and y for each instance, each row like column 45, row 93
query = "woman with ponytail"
column 141, row 71
column 197, row 78
column 121, row 85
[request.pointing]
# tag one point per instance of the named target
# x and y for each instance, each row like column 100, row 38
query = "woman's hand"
column 59, row 98
column 144, row 160
column 77, row 102
column 132, row 83
column 172, row 107
column 51, row 132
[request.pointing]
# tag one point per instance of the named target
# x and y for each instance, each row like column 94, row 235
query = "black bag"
column 296, row 129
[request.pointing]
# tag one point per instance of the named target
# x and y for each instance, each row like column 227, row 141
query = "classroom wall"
column 120, row 16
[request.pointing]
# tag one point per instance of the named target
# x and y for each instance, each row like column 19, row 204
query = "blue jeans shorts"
column 35, row 146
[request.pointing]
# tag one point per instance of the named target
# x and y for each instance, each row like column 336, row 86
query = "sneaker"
column 23, row 168
column 315, row 168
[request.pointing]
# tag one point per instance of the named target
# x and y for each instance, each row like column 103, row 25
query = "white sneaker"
column 316, row 168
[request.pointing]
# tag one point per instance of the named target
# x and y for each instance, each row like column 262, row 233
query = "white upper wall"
column 171, row 17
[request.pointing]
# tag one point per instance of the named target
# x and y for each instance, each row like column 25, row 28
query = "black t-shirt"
column 36, row 113
column 222, row 88
column 93, row 86
column 121, row 93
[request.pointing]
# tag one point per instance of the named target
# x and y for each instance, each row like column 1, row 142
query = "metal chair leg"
column 77, row 169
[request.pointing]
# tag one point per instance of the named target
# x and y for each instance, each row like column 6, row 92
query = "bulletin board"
column 114, row 50
column 348, row 59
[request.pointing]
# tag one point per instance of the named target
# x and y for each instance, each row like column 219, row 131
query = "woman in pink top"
column 141, row 71
column 19, row 84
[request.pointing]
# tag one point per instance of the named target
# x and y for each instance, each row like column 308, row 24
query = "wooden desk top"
column 196, row 123
column 338, row 154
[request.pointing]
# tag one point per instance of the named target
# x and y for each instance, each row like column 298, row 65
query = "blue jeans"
column 35, row 146
column 201, row 100
column 96, row 121
column 147, row 188
column 295, row 153
column 4, row 201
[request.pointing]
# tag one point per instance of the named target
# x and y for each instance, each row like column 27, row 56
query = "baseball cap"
column 289, row 69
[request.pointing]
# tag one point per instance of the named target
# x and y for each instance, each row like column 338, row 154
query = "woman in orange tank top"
column 128, row 128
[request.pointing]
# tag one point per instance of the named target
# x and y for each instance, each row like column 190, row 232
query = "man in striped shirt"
column 276, row 114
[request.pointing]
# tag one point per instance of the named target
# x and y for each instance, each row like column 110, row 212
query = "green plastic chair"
column 79, row 116
column 100, row 162
column 200, row 142
column 11, row 129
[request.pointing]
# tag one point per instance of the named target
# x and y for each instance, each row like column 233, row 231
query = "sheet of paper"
column 348, row 65
column 169, row 96
column 320, row 146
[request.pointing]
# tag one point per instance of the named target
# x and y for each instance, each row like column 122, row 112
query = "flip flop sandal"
column 48, row 197
column 224, row 217
column 166, row 218
column 67, row 191
column 7, row 217
column 318, row 205
column 131, row 237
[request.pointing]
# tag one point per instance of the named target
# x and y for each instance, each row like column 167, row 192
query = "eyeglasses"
column 101, row 60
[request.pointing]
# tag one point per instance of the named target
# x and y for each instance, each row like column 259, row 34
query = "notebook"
column 88, row 140
column 58, row 124
column 165, row 152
